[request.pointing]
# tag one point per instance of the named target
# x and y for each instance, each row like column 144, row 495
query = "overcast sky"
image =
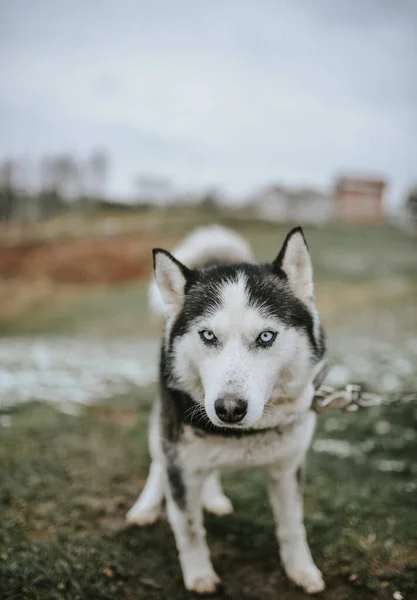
column 229, row 93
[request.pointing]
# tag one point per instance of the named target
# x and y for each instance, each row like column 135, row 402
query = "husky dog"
column 242, row 346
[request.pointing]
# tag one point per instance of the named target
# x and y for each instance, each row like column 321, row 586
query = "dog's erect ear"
column 171, row 277
column 294, row 260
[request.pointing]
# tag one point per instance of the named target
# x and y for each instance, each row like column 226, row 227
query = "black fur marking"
column 300, row 477
column 171, row 410
column 321, row 376
column 202, row 295
column 271, row 294
column 267, row 290
column 176, row 483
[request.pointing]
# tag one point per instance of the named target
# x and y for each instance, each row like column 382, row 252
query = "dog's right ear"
column 171, row 277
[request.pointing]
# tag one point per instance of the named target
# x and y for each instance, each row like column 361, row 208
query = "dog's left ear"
column 294, row 260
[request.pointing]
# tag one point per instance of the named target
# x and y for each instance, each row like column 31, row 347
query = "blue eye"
column 266, row 338
column 207, row 336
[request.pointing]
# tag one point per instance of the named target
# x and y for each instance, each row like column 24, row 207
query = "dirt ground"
column 105, row 260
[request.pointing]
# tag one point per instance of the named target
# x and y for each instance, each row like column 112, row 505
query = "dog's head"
column 240, row 336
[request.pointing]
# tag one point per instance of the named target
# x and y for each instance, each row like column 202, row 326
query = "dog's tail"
column 205, row 246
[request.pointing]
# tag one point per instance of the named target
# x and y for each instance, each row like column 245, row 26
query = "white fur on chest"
column 213, row 452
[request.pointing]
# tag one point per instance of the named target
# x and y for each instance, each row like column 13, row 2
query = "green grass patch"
column 118, row 310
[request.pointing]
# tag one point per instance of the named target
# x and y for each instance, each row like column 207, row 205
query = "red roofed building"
column 359, row 199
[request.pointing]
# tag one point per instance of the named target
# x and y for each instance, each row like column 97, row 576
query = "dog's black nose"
column 230, row 410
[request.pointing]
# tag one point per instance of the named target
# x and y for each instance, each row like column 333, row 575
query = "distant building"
column 310, row 205
column 359, row 199
column 300, row 205
column 271, row 204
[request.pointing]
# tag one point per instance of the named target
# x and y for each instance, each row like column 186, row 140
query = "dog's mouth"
column 222, row 425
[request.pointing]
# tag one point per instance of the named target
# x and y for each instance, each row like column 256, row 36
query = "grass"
column 67, row 480
column 103, row 310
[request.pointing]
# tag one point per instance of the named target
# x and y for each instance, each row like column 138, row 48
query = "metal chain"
column 353, row 397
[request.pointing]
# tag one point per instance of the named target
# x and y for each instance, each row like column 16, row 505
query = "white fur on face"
column 236, row 366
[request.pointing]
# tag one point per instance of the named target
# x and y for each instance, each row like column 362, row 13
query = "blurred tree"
column 65, row 173
column 98, row 164
column 9, row 204
column 46, row 178
column 211, row 201
column 58, row 176
column 8, row 174
column 411, row 203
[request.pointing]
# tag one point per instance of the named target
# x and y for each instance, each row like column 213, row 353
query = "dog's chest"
column 261, row 449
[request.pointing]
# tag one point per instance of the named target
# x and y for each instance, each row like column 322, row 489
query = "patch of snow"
column 73, row 370
column 402, row 366
column 391, row 465
column 382, row 427
column 367, row 445
column 5, row 421
column 334, row 424
column 390, row 382
column 339, row 448
column 338, row 376
column 409, row 434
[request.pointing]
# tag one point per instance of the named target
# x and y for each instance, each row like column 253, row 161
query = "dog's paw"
column 220, row 505
column 203, row 584
column 143, row 516
column 310, row 579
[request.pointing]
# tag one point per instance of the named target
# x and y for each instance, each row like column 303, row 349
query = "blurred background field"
column 70, row 282
column 122, row 128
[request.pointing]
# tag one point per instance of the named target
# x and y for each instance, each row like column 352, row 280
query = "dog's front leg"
column 185, row 514
column 285, row 497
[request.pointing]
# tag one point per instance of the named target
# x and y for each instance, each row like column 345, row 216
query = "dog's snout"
column 230, row 410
